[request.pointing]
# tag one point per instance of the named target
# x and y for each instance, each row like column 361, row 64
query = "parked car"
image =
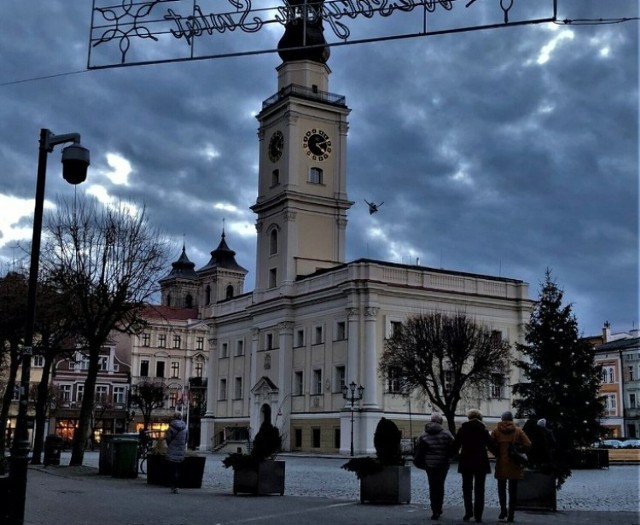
column 631, row 443
column 610, row 443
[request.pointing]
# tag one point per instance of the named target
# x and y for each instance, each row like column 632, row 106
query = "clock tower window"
column 273, row 242
column 275, row 178
column 315, row 175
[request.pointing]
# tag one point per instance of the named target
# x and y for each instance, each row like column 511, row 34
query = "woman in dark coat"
column 506, row 469
column 473, row 440
column 437, row 446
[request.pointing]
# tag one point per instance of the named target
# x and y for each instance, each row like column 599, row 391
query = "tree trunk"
column 42, row 402
column 6, row 400
column 86, row 411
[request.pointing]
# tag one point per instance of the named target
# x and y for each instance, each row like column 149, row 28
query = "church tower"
column 302, row 200
column 179, row 288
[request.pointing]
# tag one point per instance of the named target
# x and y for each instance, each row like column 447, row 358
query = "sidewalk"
column 79, row 496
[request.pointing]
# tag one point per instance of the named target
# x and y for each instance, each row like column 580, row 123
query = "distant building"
column 618, row 356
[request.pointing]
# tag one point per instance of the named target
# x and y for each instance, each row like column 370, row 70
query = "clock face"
column 317, row 144
column 276, row 146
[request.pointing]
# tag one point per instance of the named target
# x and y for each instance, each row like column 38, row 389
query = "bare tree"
column 147, row 397
column 443, row 356
column 108, row 260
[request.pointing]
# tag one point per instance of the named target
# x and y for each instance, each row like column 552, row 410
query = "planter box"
column 268, row 478
column 596, row 458
column 391, row 486
column 191, row 471
column 537, row 491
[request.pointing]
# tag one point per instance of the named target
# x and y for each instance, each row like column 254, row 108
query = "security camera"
column 75, row 161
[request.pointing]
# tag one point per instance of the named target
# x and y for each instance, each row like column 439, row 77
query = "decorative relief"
column 289, row 216
column 285, row 326
column 259, row 226
column 353, row 312
column 371, row 311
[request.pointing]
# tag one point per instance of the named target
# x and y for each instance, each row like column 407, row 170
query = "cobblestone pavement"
column 613, row 489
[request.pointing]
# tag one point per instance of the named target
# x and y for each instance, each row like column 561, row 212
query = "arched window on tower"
column 273, row 242
column 315, row 175
column 229, row 292
column 188, row 301
column 207, row 295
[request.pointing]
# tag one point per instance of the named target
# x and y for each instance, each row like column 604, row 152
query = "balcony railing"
column 307, row 93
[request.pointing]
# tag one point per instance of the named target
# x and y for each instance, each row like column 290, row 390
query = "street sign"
column 127, row 33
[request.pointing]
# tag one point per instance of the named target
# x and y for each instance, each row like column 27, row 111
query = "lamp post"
column 352, row 393
column 75, row 160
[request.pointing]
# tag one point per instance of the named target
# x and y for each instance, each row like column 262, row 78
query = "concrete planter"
column 537, row 491
column 267, row 478
column 392, row 486
column 191, row 471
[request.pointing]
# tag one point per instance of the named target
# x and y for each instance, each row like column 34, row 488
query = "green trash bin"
column 52, row 449
column 125, row 452
column 105, row 460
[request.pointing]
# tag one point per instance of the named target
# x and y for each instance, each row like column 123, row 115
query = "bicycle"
column 144, row 446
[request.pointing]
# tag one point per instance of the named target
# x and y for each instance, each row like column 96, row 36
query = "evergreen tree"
column 562, row 378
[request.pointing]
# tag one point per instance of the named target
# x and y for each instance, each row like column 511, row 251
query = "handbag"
column 420, row 455
column 519, row 458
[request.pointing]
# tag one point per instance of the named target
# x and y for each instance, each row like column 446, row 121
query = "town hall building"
column 316, row 322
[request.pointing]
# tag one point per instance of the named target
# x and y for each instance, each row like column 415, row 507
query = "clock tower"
column 302, row 201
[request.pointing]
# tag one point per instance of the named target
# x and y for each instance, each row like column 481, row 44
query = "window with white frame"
column 610, row 405
column 496, row 387
column 176, row 341
column 162, row 341
column 173, row 398
column 144, row 368
column 146, row 339
column 119, row 397
column 448, row 380
column 222, row 391
column 175, row 368
column 64, row 393
column 199, row 343
column 159, row 368
column 199, row 369
column 103, row 363
column 37, row 361
column 79, row 393
column 630, row 370
column 394, row 378
column 633, row 401
column 298, row 383
column 237, row 388
column 608, row 374
column 102, row 392
column 317, row 381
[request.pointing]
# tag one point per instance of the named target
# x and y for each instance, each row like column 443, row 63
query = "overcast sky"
column 502, row 152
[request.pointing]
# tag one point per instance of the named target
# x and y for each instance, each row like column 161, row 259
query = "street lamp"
column 75, row 160
column 352, row 396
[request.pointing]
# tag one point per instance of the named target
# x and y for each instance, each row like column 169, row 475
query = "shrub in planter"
column 257, row 472
column 191, row 469
column 385, row 478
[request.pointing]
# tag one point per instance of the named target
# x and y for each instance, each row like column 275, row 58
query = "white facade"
column 314, row 321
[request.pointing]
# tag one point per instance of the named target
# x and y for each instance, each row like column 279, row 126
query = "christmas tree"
column 562, row 378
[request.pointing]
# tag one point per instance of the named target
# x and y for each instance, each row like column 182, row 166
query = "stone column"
column 285, row 364
column 370, row 352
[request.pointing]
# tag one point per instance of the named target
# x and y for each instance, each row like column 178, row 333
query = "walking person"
column 176, row 438
column 472, row 441
column 437, row 446
column 508, row 472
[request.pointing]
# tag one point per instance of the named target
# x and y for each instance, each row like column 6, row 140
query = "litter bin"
column 105, row 461
column 52, row 449
column 125, row 455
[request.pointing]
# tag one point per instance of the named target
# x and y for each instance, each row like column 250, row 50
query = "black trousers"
column 437, row 477
column 473, row 484
column 174, row 473
column 513, row 496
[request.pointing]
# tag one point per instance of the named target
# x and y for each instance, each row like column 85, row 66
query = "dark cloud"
column 503, row 151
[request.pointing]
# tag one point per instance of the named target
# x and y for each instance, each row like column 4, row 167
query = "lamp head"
column 75, row 161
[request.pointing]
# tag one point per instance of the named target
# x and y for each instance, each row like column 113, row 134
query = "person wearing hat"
column 507, row 471
column 176, row 438
column 472, row 441
column 437, row 446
